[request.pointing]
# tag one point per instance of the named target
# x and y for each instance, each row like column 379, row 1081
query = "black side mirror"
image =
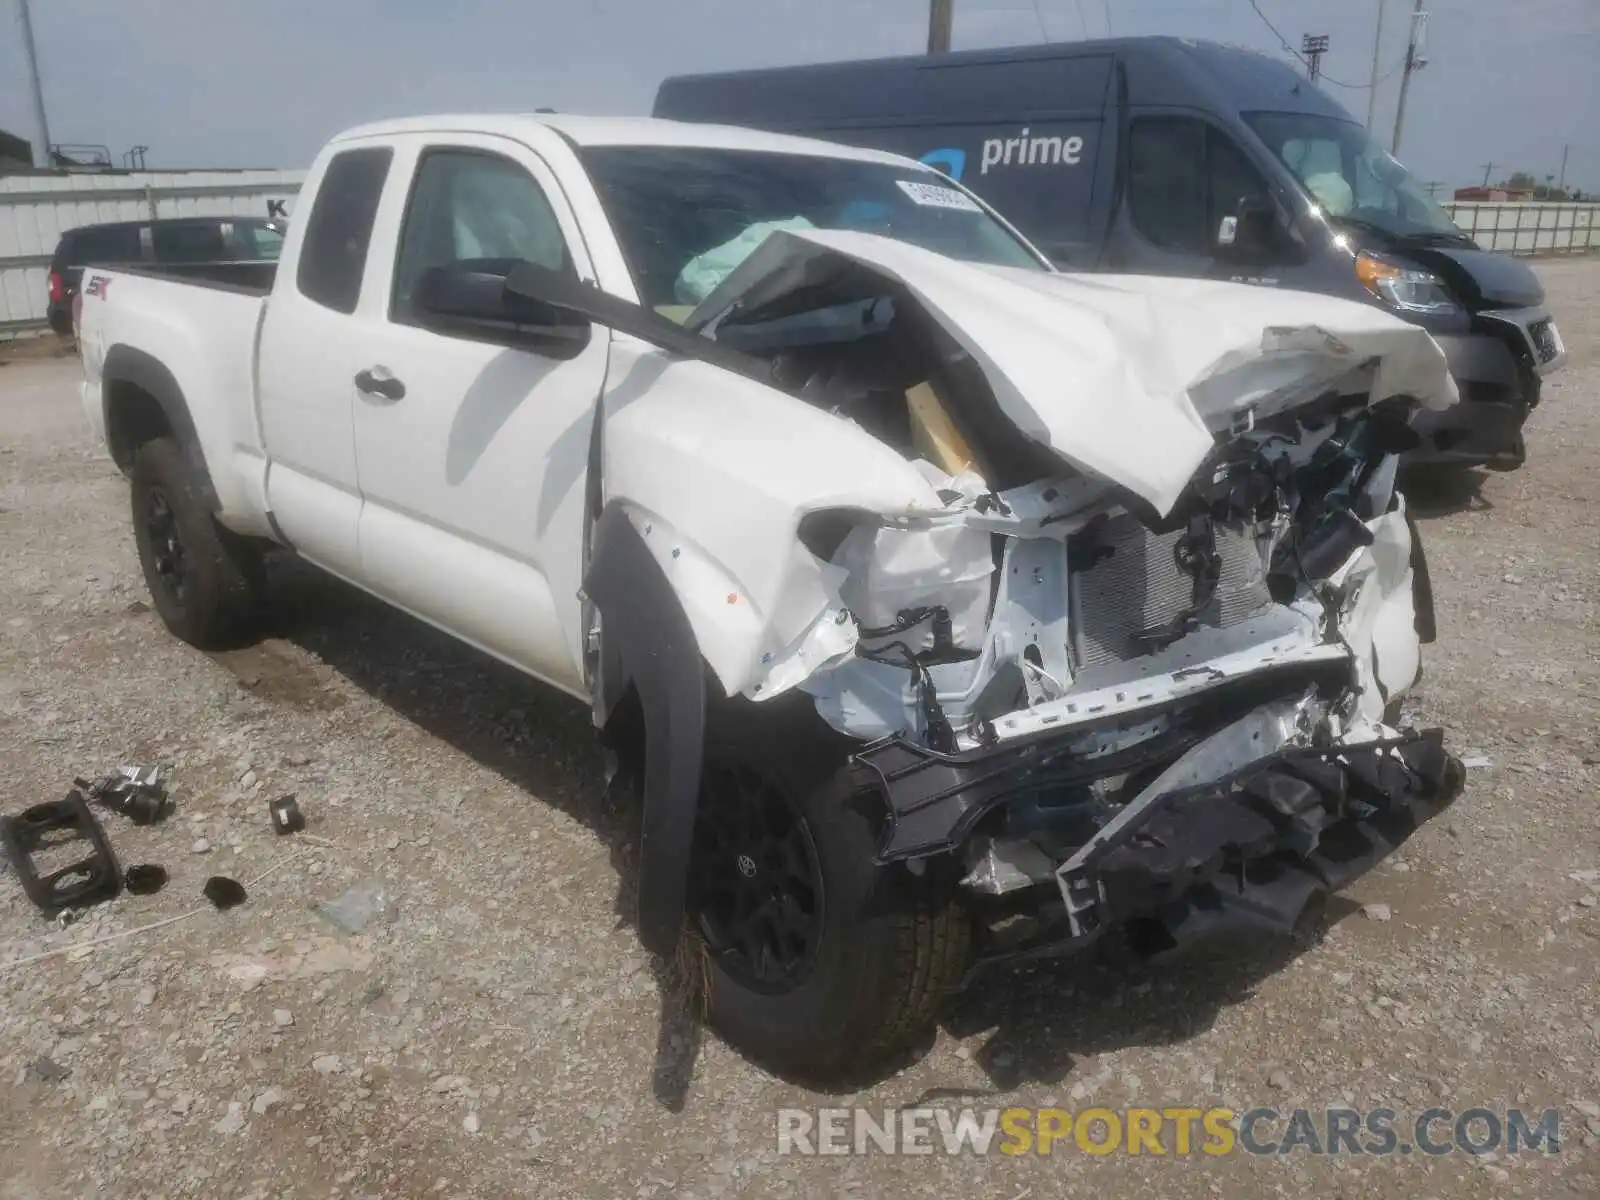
column 1252, row 232
column 471, row 299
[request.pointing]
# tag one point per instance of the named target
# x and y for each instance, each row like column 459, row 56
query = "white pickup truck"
column 942, row 609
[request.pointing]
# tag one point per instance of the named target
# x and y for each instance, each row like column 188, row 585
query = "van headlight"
column 1409, row 289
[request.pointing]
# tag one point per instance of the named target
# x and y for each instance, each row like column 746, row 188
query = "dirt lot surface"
column 494, row 1029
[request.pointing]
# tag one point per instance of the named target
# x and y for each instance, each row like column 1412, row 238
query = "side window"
column 468, row 205
column 1167, row 182
column 114, row 244
column 1231, row 177
column 334, row 251
column 189, row 243
column 258, row 242
column 1184, row 176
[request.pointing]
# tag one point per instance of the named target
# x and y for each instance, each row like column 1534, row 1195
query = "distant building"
column 16, row 154
column 1500, row 193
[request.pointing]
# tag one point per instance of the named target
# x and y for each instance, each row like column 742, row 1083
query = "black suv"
column 153, row 243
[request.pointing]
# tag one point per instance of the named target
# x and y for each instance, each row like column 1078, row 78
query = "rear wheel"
column 204, row 581
column 822, row 961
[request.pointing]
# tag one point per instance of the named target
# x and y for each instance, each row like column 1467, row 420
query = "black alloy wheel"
column 756, row 883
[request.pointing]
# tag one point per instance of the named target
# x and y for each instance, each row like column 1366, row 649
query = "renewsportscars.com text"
column 1170, row 1131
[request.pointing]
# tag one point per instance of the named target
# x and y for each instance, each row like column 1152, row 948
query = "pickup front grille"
column 1128, row 582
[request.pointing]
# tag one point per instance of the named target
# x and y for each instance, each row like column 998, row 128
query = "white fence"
column 35, row 210
column 1529, row 228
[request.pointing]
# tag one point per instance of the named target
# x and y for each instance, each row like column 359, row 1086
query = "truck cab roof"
column 617, row 131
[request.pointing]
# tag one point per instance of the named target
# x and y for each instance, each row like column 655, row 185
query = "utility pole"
column 940, row 15
column 1312, row 47
column 1372, row 87
column 1414, row 63
column 41, row 153
column 1563, row 184
column 1487, row 167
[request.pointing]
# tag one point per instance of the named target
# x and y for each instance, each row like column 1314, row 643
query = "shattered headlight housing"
column 1409, row 289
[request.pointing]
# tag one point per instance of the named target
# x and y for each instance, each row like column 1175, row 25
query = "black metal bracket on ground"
column 649, row 642
column 134, row 792
column 87, row 881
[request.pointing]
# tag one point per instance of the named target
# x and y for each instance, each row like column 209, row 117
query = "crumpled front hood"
column 1124, row 377
column 1483, row 279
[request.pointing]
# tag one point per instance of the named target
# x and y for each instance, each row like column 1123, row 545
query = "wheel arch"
column 143, row 401
column 648, row 654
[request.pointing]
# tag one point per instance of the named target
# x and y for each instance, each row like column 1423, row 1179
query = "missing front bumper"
column 1255, row 847
column 933, row 801
column 1248, row 852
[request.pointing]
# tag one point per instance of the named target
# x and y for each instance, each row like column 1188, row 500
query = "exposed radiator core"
column 1127, row 581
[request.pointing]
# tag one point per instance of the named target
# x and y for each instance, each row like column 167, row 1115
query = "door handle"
column 376, row 381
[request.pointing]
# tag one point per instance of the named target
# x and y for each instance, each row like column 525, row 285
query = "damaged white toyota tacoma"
column 942, row 609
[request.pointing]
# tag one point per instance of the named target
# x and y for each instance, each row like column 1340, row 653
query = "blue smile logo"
column 949, row 160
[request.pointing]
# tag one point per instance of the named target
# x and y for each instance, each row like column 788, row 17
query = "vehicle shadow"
column 532, row 736
column 1039, row 1021
column 1441, row 492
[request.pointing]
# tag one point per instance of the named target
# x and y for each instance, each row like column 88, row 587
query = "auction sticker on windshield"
column 931, row 195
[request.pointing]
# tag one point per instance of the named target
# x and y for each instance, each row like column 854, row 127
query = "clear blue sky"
column 264, row 82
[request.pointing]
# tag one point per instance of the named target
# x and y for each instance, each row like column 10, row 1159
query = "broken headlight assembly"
column 1409, row 289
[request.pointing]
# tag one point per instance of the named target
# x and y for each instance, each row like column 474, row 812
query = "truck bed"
column 253, row 278
column 199, row 322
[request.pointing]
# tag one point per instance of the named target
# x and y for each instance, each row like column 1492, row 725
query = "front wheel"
column 204, row 581
column 822, row 961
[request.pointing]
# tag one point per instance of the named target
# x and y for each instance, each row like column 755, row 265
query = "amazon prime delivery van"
column 1174, row 157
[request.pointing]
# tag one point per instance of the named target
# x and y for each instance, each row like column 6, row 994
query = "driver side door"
column 472, row 455
column 1186, row 182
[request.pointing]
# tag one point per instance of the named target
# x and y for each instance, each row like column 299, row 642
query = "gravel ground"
column 495, row 1029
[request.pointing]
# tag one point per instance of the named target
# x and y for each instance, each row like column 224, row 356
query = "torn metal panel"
column 1001, row 865
column 688, row 454
column 1124, row 379
column 1257, row 735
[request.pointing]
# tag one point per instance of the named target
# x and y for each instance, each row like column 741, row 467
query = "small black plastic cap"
column 146, row 879
column 225, row 893
column 286, row 815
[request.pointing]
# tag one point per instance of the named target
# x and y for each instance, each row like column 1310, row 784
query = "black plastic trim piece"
column 648, row 638
column 1421, row 588
column 933, row 800
column 567, row 291
column 97, row 875
column 1297, row 800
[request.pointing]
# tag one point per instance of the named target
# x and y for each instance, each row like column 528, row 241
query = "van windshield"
column 1352, row 178
column 686, row 216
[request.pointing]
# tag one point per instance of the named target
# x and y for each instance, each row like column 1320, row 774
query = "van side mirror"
column 1251, row 232
column 471, row 299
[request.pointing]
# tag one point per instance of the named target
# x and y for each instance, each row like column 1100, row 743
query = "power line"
column 1038, row 13
column 1301, row 58
column 1106, row 4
